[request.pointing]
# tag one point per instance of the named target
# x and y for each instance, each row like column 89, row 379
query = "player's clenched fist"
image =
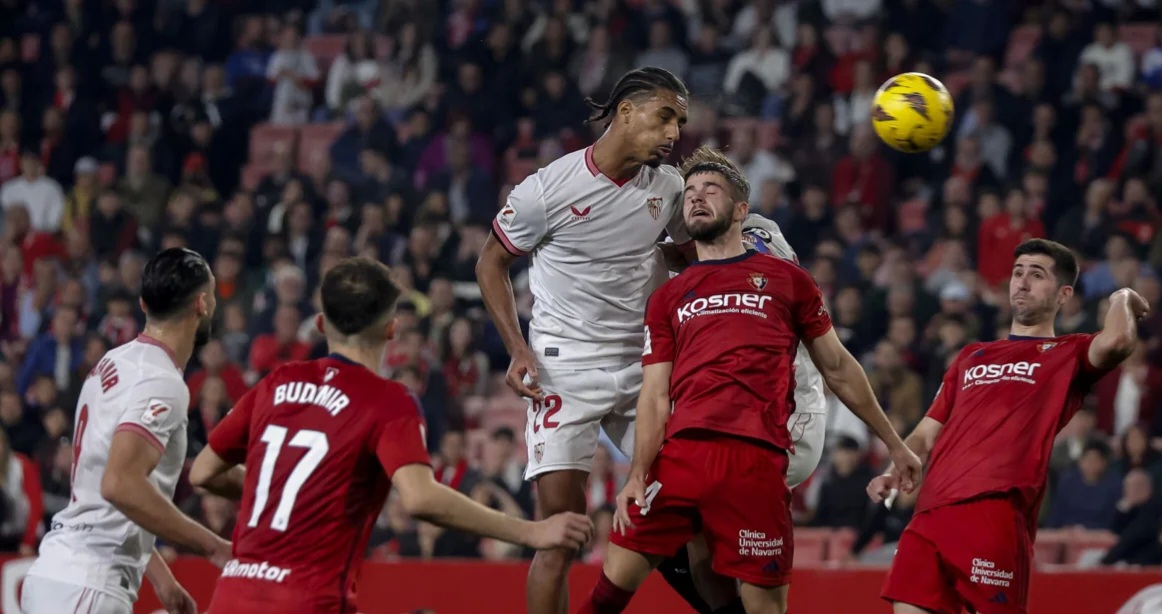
column 907, row 468
column 1139, row 306
column 566, row 530
column 175, row 599
column 881, row 487
column 522, row 374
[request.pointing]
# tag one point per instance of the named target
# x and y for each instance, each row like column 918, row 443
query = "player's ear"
column 741, row 210
column 1064, row 293
column 141, row 303
column 389, row 332
column 624, row 110
column 319, row 321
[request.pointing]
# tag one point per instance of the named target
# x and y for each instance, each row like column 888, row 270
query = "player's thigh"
column 986, row 547
column 808, row 432
column 764, row 599
column 746, row 513
column 918, row 579
column 619, row 423
column 671, row 513
column 562, row 429
column 45, row 596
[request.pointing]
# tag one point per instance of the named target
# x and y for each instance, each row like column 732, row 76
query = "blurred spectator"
column 466, row 368
column 757, row 165
column 1001, row 234
column 603, row 482
column 143, row 191
column 1071, row 442
column 1087, row 495
column 272, row 350
column 1113, row 58
column 864, row 178
column 501, row 465
column 842, row 497
column 55, row 353
column 1130, row 395
column 215, row 362
column 1136, row 453
column 112, row 229
column 293, row 71
column 886, row 523
column 763, row 67
column 899, row 390
column 355, row 72
column 79, row 201
column 1137, row 522
column 40, row 194
column 21, row 501
column 603, row 525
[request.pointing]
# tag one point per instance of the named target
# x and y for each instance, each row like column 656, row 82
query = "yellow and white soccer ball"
column 912, row 112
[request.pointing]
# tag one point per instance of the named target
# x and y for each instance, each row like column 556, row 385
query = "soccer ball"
column 912, row 112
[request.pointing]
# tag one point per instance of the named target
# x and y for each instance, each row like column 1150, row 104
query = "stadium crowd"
column 127, row 126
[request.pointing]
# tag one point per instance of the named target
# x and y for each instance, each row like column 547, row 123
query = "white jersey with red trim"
column 138, row 388
column 595, row 262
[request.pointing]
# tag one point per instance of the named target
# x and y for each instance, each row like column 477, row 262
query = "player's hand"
column 566, row 530
column 633, row 491
column 221, row 554
column 1139, row 306
column 175, row 599
column 881, row 487
column 524, row 363
column 907, row 467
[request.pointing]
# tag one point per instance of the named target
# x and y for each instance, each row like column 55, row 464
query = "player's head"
column 1044, row 273
column 648, row 109
column 714, row 200
column 177, row 286
column 358, row 302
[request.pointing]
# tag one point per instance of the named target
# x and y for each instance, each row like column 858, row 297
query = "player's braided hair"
column 707, row 159
column 633, row 84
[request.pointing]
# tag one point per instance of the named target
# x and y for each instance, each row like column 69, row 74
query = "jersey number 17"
column 275, row 438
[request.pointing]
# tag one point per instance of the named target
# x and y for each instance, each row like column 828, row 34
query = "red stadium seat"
column 811, row 546
column 1139, row 36
column 315, row 138
column 1021, row 44
column 1081, row 543
column 252, row 174
column 264, row 138
column 1050, row 546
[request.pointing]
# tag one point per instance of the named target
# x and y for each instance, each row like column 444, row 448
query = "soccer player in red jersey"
column 324, row 441
column 720, row 341
column 987, row 438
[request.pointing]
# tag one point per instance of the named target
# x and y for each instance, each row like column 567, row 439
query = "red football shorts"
column 975, row 554
column 732, row 490
column 242, row 597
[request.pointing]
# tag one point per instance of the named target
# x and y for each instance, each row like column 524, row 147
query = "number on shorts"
column 551, row 405
column 79, row 437
column 651, row 493
column 274, row 437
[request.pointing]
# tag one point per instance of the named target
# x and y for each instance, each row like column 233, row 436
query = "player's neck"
column 609, row 160
column 721, row 248
column 371, row 358
column 1040, row 329
column 179, row 343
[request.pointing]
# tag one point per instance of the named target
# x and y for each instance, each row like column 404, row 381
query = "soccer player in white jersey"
column 590, row 222
column 129, row 448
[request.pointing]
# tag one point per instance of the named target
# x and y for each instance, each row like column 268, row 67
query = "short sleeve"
column 231, row 437
column 155, row 409
column 402, row 439
column 1087, row 374
column 523, row 222
column 941, row 408
column 811, row 317
column 676, row 227
column 659, row 331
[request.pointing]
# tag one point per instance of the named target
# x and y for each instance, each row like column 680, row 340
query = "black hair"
column 358, row 293
column 1099, row 446
column 1064, row 262
column 632, row 85
column 505, row 433
column 170, row 280
column 846, row 442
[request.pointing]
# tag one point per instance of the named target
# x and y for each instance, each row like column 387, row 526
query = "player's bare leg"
column 716, row 590
column 621, row 575
column 907, row 608
column 764, row 600
column 547, row 589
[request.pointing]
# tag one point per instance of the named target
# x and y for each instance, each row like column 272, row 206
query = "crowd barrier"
column 468, row 587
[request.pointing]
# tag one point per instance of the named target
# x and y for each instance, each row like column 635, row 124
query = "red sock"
column 606, row 598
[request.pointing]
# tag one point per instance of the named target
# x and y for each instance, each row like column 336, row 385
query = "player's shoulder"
column 666, row 176
column 142, row 367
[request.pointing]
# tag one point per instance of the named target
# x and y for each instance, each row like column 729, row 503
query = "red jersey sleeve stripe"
column 508, row 246
column 130, row 427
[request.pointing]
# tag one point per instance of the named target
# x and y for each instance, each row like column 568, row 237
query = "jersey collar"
column 739, row 258
column 146, row 339
column 341, row 358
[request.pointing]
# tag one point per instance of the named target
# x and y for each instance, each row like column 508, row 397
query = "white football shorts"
column 562, row 430
column 44, row 596
column 808, row 431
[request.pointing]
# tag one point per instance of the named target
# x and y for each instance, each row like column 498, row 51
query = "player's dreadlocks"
column 707, row 159
column 633, row 84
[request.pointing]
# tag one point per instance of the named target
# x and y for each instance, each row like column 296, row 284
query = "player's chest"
column 633, row 217
column 1015, row 369
column 735, row 301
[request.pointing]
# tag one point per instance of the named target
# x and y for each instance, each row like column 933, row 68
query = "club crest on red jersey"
column 757, row 280
column 330, row 374
column 1048, row 345
column 654, row 205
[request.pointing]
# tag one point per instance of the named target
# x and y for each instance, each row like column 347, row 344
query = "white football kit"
column 594, row 263
column 93, row 558
column 808, row 425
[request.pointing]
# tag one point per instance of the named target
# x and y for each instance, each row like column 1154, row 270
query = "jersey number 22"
column 275, row 437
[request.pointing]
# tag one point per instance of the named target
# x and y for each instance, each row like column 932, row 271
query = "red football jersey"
column 319, row 440
column 731, row 329
column 1002, row 404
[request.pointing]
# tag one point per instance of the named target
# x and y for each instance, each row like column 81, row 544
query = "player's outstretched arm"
column 921, row 441
column 217, row 476
column 425, row 498
column 846, row 378
column 1119, row 333
column 496, row 288
column 125, row 484
column 173, row 597
column 653, row 412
